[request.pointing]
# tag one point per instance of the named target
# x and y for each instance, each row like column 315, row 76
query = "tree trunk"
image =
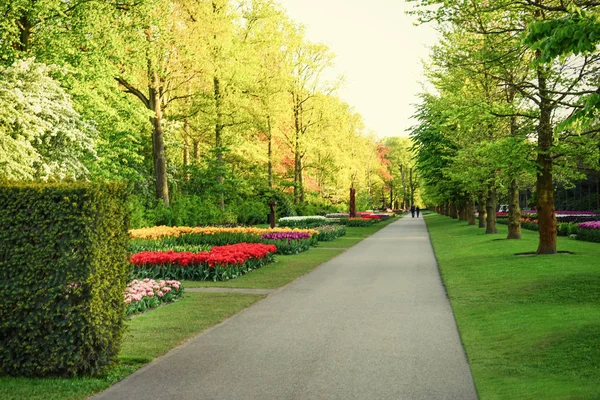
column 296, row 153
column 270, row 151
column 471, row 211
column 453, row 211
column 219, row 136
column 544, row 187
column 186, row 148
column 196, row 150
column 462, row 212
column 186, row 153
column 352, row 213
column 490, row 207
column 481, row 210
column 301, row 180
column 402, row 179
column 514, row 211
column 25, row 28
column 158, row 142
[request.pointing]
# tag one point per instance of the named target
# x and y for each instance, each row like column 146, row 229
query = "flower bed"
column 330, row 232
column 166, row 237
column 371, row 216
column 141, row 295
column 383, row 217
column 136, row 246
column 359, row 222
column 288, row 242
column 302, row 222
column 337, row 215
column 589, row 231
column 219, row 264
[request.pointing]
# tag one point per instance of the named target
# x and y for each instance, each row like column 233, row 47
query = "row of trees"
column 215, row 99
column 515, row 104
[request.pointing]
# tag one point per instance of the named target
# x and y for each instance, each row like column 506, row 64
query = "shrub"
column 588, row 235
column 566, row 228
column 63, row 271
column 252, row 212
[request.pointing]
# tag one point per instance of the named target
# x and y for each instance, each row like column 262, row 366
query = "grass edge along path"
column 159, row 330
column 530, row 325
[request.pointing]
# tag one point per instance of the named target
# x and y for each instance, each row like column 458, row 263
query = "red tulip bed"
column 221, row 263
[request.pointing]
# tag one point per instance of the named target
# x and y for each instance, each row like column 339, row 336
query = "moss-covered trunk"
column 514, row 211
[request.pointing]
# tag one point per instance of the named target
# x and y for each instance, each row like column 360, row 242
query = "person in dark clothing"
column 412, row 210
column 418, row 211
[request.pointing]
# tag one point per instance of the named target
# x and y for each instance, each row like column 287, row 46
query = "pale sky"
column 378, row 51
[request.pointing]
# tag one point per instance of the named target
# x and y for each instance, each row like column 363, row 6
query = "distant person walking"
column 418, row 211
column 412, row 210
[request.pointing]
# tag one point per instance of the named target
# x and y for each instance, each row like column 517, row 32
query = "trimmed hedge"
column 63, row 271
column 588, row 235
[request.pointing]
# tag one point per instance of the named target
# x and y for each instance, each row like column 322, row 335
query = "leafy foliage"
column 63, row 268
column 41, row 134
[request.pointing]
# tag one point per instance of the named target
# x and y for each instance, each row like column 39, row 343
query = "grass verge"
column 148, row 336
column 530, row 325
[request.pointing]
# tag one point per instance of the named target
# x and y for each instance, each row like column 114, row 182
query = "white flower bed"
column 338, row 215
column 304, row 218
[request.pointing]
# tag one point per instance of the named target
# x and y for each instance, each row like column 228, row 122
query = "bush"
column 284, row 207
column 588, row 235
column 63, row 271
column 252, row 212
column 566, row 228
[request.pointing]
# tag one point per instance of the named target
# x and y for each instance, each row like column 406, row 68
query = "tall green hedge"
column 63, row 271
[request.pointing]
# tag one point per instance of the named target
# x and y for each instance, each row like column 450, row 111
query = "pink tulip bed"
column 145, row 294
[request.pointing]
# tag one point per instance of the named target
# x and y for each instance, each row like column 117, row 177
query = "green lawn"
column 158, row 331
column 530, row 324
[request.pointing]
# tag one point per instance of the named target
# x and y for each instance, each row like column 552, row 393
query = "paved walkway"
column 372, row 323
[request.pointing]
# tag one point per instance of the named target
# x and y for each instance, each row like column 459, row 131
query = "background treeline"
column 514, row 104
column 209, row 109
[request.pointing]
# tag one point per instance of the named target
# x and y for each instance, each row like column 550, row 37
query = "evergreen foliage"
column 63, row 271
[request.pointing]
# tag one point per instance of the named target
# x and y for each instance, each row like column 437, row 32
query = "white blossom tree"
column 41, row 134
